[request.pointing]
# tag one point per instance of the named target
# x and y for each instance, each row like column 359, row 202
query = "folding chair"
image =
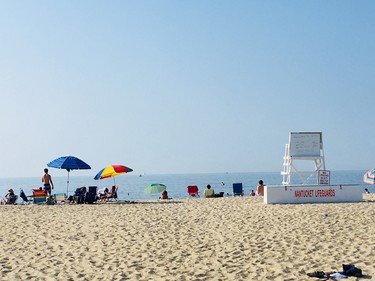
column 91, row 195
column 40, row 196
column 80, row 195
column 237, row 189
column 112, row 195
column 60, row 198
column 193, row 191
column 24, row 197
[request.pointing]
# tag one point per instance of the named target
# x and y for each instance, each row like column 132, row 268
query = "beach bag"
column 351, row 270
column 50, row 200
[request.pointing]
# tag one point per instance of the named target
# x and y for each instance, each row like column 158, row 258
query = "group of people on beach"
column 11, row 197
column 210, row 192
column 78, row 197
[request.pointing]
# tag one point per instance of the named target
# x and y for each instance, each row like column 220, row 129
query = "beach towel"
column 338, row 275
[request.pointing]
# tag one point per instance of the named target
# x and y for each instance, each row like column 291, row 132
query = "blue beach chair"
column 80, row 195
column 24, row 197
column 237, row 189
column 91, row 195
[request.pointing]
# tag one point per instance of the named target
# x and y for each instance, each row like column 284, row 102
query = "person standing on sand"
column 260, row 188
column 47, row 182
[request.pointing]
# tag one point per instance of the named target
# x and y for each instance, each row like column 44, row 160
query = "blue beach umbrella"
column 68, row 163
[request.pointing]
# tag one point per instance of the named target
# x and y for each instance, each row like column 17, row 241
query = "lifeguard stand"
column 303, row 146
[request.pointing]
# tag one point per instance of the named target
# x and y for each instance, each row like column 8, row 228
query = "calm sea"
column 131, row 186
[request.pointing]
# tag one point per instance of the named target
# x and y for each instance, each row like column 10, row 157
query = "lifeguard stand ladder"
column 303, row 146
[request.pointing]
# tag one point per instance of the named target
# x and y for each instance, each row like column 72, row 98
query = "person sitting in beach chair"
column 209, row 192
column 103, row 193
column 80, row 195
column 11, row 198
column 112, row 194
column 193, row 191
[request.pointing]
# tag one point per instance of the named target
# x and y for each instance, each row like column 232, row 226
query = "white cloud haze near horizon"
column 184, row 87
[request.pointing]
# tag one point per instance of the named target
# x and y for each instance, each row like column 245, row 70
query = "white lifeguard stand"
column 303, row 146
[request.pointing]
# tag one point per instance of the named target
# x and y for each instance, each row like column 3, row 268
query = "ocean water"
column 131, row 186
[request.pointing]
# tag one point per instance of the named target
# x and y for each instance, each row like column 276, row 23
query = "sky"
column 174, row 87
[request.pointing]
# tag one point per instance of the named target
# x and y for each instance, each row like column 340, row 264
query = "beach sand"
column 237, row 238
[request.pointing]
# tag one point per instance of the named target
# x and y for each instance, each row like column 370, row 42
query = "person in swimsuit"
column 260, row 188
column 164, row 195
column 11, row 198
column 47, row 182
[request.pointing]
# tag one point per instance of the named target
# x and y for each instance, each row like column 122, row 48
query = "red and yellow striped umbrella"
column 112, row 171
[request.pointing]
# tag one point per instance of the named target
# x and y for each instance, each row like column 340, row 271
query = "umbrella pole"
column 67, row 185
column 114, row 180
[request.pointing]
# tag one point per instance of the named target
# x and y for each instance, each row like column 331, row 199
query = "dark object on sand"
column 318, row 274
column 220, row 194
column 351, row 270
column 91, row 195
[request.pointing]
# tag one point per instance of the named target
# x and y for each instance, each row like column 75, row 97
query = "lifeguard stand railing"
column 307, row 147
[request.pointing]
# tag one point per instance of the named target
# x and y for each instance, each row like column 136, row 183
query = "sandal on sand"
column 318, row 274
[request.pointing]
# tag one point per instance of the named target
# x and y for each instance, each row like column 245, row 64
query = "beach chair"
column 60, row 198
column 193, row 191
column 91, row 195
column 237, row 189
column 112, row 195
column 23, row 196
column 40, row 196
column 80, row 195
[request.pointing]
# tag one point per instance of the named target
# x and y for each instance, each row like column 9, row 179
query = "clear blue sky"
column 184, row 86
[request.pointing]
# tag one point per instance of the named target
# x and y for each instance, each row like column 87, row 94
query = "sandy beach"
column 237, row 238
